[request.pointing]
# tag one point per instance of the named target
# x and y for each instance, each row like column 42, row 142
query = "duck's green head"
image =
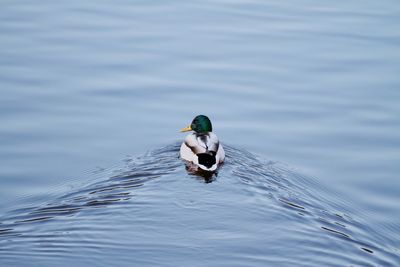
column 200, row 124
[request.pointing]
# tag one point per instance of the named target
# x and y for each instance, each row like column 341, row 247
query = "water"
column 303, row 94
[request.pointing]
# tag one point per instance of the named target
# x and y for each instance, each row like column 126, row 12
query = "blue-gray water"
column 303, row 94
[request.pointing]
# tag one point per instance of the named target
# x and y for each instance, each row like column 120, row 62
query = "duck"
column 202, row 147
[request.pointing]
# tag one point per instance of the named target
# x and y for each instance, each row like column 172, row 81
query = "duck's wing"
column 186, row 153
column 220, row 157
column 215, row 146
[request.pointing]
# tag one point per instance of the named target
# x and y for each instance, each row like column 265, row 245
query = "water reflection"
column 201, row 175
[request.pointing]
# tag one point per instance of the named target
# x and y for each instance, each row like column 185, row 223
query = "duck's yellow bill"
column 186, row 129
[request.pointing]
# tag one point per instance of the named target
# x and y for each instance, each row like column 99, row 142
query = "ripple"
column 278, row 191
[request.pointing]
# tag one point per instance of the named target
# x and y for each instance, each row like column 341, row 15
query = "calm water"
column 303, row 94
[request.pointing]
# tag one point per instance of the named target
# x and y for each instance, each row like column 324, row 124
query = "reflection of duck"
column 202, row 147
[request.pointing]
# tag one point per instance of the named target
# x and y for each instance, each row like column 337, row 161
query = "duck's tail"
column 207, row 161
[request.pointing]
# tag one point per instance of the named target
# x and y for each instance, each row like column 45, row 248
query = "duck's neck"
column 202, row 134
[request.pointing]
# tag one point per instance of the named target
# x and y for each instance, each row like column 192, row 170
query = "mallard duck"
column 202, row 147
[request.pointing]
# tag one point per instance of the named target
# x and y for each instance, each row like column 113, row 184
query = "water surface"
column 310, row 88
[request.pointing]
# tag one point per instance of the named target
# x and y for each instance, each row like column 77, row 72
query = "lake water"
column 304, row 95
